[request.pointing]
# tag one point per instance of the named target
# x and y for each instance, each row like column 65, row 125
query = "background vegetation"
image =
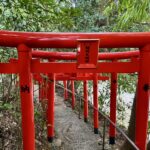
column 72, row 16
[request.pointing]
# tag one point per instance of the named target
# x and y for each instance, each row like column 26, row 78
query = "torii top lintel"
column 69, row 40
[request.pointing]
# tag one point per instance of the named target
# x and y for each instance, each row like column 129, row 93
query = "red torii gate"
column 26, row 66
column 81, row 76
column 73, row 55
column 72, row 77
column 102, row 56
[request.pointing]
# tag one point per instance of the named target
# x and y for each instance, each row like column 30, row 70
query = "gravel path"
column 74, row 133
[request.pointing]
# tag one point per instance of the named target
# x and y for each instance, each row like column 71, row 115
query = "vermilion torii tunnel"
column 85, row 77
column 86, row 61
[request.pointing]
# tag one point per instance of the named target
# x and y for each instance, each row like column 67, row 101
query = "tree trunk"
column 131, row 129
column 148, row 146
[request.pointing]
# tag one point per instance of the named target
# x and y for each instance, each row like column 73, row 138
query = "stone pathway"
column 74, row 133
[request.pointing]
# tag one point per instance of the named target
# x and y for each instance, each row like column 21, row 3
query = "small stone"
column 107, row 146
column 58, row 142
column 100, row 142
column 14, row 123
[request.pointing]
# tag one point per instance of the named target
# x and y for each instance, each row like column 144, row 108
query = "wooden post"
column 26, row 93
column 143, row 97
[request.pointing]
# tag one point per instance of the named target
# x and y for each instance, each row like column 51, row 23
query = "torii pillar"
column 26, row 93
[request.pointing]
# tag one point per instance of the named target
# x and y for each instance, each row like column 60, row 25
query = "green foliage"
column 7, row 53
column 129, row 15
column 127, row 83
column 104, row 96
column 6, row 106
column 37, row 15
column 37, row 113
column 91, row 18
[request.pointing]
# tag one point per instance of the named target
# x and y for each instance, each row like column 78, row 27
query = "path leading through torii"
column 87, row 45
column 74, row 133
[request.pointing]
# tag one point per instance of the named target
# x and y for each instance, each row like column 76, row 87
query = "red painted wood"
column 50, row 109
column 73, row 55
column 69, row 40
column 113, row 101
column 95, row 104
column 143, row 97
column 107, row 67
column 65, row 90
column 69, row 77
column 87, row 55
column 26, row 93
column 9, row 68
